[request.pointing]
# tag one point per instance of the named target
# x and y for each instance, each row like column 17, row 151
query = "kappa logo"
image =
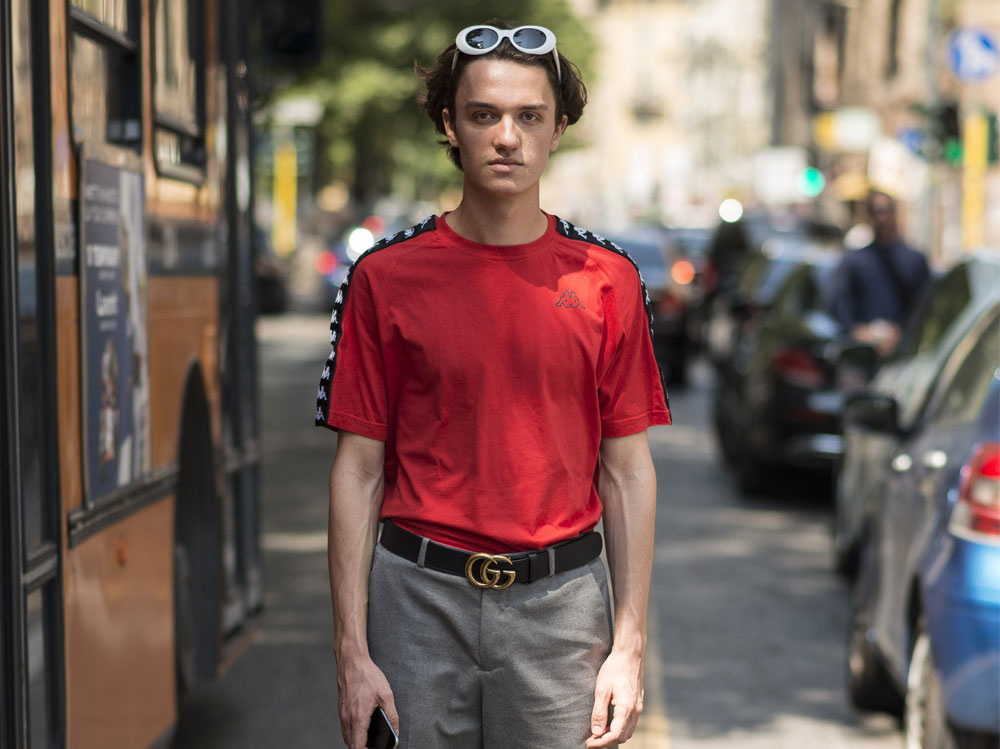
column 570, row 300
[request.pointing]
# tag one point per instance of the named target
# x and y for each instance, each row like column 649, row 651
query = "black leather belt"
column 496, row 571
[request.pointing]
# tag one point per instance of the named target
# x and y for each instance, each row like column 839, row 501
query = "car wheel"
column 869, row 686
column 925, row 721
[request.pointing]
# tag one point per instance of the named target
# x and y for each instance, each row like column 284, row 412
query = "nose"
column 505, row 137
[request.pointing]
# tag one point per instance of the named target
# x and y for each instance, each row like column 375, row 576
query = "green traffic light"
column 811, row 182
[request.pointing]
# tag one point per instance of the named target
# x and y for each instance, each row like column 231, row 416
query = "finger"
column 613, row 735
column 630, row 726
column 345, row 726
column 599, row 716
column 359, row 734
column 388, row 704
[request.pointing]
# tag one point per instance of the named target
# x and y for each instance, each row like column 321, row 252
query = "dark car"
column 270, row 276
column 732, row 313
column 332, row 265
column 687, row 256
column 739, row 268
column 949, row 306
column 776, row 402
column 650, row 251
column 924, row 631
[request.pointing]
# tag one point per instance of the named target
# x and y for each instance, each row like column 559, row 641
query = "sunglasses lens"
column 529, row 38
column 481, row 38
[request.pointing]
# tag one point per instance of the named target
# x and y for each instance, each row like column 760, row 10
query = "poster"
column 114, row 320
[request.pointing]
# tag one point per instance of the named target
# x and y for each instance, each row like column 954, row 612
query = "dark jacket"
column 878, row 283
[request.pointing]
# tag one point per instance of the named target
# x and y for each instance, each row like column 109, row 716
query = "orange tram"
column 130, row 564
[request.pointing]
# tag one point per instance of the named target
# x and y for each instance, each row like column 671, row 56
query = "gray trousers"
column 489, row 669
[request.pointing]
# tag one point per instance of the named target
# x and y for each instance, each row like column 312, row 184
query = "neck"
column 499, row 221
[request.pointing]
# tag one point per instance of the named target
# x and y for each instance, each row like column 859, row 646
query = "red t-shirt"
column 492, row 373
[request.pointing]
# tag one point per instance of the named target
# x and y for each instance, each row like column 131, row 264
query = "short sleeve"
column 632, row 394
column 352, row 389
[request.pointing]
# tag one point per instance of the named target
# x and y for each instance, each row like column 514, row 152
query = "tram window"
column 28, row 353
column 39, row 686
column 104, row 65
column 178, row 88
column 113, row 13
column 104, row 94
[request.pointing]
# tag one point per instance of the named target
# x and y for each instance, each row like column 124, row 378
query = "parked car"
column 734, row 257
column 270, row 276
column 949, row 306
column 732, row 312
column 687, row 255
column 650, row 251
column 776, row 402
column 332, row 265
column 924, row 631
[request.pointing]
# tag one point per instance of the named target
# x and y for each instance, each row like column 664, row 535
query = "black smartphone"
column 381, row 734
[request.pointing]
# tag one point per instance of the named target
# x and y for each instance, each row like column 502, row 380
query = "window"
column 104, row 64
column 40, row 687
column 112, row 13
column 892, row 45
column 963, row 396
column 178, row 88
column 28, row 351
column 939, row 310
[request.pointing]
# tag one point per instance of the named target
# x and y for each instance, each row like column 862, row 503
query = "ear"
column 449, row 128
column 560, row 129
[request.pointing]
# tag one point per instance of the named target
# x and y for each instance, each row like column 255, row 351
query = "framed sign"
column 114, row 323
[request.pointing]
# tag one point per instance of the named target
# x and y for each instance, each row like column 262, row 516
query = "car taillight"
column 798, row 367
column 977, row 510
column 326, row 262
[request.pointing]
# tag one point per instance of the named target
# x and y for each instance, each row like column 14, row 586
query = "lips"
column 504, row 165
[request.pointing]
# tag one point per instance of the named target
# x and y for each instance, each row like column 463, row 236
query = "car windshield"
column 691, row 242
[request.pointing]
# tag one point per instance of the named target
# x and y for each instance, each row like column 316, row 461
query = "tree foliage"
column 373, row 137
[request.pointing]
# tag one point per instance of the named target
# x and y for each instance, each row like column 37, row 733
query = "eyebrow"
column 491, row 105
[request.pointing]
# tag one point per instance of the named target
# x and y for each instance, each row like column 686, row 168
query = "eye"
column 531, row 116
column 482, row 116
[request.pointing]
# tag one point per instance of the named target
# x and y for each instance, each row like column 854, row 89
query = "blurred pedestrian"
column 876, row 286
column 728, row 252
column 492, row 380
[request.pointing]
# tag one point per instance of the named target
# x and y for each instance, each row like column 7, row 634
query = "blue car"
column 925, row 621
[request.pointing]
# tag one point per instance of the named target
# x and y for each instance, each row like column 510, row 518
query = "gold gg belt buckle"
column 481, row 571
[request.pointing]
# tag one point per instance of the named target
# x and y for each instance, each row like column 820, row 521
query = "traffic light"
column 811, row 182
column 943, row 130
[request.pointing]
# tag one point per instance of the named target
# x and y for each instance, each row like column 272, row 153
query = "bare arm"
column 627, row 487
column 356, row 489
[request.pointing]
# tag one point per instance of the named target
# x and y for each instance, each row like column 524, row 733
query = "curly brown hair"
column 441, row 82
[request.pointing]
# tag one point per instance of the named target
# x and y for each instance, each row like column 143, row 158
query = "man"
column 878, row 284
column 492, row 381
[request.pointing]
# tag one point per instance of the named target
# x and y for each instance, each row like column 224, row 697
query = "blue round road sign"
column 972, row 54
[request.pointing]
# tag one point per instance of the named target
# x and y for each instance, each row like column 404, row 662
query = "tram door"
column 30, row 628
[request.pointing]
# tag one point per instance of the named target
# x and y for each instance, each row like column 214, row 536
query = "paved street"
column 746, row 624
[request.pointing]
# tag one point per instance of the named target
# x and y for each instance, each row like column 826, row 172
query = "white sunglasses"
column 534, row 40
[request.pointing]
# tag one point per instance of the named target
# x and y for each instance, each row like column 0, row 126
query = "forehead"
column 504, row 82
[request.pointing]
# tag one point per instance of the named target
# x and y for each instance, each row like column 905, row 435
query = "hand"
column 882, row 335
column 361, row 686
column 619, row 683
